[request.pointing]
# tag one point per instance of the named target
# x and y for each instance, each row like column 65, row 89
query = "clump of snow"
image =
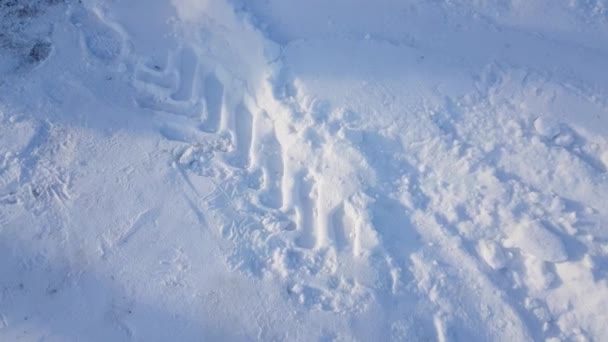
column 564, row 139
column 538, row 275
column 604, row 159
column 492, row 253
column 535, row 240
column 547, row 127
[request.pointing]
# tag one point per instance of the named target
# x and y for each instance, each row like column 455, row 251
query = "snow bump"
column 492, row 253
column 534, row 239
column 547, row 127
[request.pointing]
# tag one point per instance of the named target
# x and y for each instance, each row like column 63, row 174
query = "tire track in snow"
column 213, row 91
column 199, row 104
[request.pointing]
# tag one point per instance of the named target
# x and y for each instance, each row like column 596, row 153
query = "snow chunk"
column 538, row 277
column 547, row 127
column 492, row 253
column 536, row 240
column 604, row 159
column 564, row 139
column 196, row 153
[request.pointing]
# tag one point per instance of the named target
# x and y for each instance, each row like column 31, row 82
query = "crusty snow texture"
column 287, row 170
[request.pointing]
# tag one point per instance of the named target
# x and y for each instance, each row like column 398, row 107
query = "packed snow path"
column 288, row 170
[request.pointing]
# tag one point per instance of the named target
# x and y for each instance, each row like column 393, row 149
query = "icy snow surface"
column 388, row 170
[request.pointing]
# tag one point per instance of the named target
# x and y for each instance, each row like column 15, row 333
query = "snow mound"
column 492, row 254
column 534, row 239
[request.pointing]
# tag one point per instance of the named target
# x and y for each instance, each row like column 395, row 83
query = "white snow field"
column 303, row 170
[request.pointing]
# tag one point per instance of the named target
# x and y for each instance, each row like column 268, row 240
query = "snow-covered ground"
column 188, row 170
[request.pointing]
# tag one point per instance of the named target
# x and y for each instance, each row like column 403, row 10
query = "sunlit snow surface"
column 391, row 170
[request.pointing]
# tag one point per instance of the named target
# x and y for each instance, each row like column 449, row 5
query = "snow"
column 303, row 170
column 533, row 238
column 492, row 253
